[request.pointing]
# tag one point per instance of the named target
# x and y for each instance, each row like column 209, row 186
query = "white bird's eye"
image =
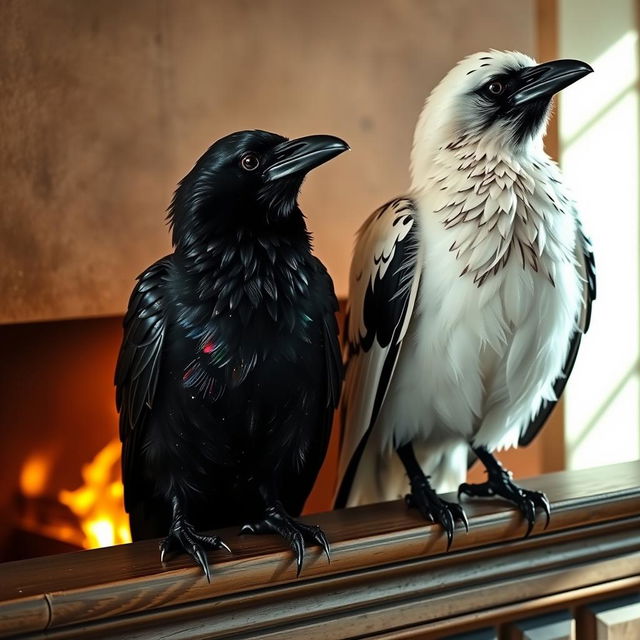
column 496, row 88
column 249, row 161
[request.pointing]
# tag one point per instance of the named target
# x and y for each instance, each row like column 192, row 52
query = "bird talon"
column 434, row 508
column 464, row 489
column 449, row 533
column 199, row 555
column 529, row 511
column 297, row 546
column 544, row 503
column 530, row 524
column 459, row 514
column 277, row 521
column 449, row 525
column 183, row 536
column 500, row 483
column 321, row 539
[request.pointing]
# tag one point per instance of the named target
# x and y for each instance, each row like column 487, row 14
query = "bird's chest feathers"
column 493, row 211
column 246, row 304
column 251, row 280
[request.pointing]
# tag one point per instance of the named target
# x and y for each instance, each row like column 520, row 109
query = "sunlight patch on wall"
column 599, row 143
column 609, row 438
column 616, row 73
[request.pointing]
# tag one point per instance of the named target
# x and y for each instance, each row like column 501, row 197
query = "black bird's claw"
column 434, row 508
column 295, row 533
column 183, row 536
column 501, row 484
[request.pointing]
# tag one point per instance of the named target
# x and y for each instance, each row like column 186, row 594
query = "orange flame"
column 34, row 474
column 98, row 503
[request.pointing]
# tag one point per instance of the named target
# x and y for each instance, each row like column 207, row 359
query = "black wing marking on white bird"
column 138, row 368
column 587, row 268
column 384, row 279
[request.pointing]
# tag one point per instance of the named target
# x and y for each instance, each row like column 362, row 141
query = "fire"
column 98, row 502
column 34, row 474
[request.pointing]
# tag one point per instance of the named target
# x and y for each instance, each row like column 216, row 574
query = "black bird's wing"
column 587, row 269
column 384, row 280
column 330, row 339
column 295, row 495
column 137, row 370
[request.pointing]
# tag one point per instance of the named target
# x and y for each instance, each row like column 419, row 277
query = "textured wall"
column 105, row 104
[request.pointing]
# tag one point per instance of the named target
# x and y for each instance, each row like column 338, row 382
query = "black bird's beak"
column 303, row 154
column 544, row 80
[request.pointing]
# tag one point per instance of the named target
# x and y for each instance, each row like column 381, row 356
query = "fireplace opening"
column 60, row 452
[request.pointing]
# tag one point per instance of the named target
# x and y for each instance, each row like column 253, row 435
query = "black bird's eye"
column 495, row 87
column 249, row 161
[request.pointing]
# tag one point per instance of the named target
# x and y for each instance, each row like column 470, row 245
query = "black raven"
column 230, row 370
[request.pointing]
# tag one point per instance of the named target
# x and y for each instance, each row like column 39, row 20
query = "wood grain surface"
column 385, row 560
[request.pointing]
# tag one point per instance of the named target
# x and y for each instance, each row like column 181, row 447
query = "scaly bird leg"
column 182, row 536
column 426, row 500
column 279, row 522
column 499, row 483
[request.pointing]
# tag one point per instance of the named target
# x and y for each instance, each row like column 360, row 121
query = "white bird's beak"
column 545, row 80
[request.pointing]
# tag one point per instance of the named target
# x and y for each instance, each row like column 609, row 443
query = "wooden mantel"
column 389, row 575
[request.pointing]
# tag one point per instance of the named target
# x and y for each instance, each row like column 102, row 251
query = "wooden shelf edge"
column 370, row 545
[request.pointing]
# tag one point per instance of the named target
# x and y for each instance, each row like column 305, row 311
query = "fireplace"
column 59, row 464
column 60, row 454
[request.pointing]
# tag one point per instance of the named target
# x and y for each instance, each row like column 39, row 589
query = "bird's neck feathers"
column 198, row 243
column 495, row 145
column 241, row 271
column 494, row 207
column 237, row 258
column 444, row 123
column 201, row 220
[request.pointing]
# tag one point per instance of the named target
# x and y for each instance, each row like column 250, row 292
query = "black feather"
column 385, row 307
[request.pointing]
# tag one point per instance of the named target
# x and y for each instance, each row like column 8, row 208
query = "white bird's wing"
column 384, row 279
column 587, row 270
